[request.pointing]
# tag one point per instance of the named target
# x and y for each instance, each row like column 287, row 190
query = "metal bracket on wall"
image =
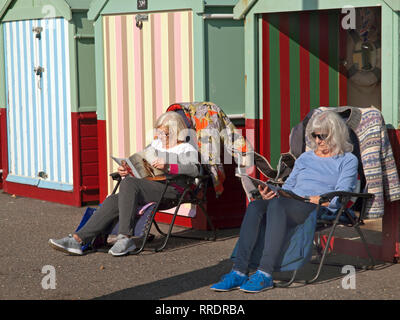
column 42, row 175
column 140, row 18
column 38, row 31
column 217, row 16
column 83, row 36
column 39, row 71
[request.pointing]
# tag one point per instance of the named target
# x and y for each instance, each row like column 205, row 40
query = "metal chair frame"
column 188, row 196
column 332, row 224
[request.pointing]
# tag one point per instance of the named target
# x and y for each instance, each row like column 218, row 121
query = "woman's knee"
column 128, row 183
column 257, row 207
column 110, row 202
column 276, row 205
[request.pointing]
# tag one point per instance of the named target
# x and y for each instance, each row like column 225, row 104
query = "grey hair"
column 330, row 123
column 176, row 125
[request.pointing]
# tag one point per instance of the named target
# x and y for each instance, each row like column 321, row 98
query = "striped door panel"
column 146, row 70
column 300, row 70
column 39, row 108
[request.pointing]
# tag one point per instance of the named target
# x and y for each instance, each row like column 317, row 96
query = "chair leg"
column 361, row 234
column 209, row 223
column 169, row 234
column 146, row 234
column 172, row 222
column 158, row 229
column 324, row 253
column 150, row 223
column 213, row 238
column 286, row 284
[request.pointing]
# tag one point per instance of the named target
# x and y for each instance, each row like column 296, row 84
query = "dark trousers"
column 133, row 193
column 278, row 214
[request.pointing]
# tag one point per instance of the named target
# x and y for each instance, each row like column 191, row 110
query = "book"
column 139, row 164
column 284, row 167
column 274, row 187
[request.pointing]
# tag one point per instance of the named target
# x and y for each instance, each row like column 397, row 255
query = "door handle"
column 39, row 72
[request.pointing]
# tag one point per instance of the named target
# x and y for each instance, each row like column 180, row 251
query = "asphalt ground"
column 183, row 271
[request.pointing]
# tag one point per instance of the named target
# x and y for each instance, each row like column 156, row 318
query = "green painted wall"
column 130, row 6
column 99, row 67
column 224, row 61
column 2, row 71
column 86, row 66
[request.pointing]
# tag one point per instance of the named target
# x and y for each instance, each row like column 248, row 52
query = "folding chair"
column 195, row 188
column 346, row 217
column 300, row 240
column 194, row 193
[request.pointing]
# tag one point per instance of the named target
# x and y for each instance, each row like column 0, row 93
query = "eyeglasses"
column 320, row 136
column 162, row 133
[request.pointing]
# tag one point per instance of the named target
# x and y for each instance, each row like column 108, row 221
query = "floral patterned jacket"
column 216, row 137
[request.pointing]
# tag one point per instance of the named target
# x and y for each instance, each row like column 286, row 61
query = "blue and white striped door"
column 39, row 107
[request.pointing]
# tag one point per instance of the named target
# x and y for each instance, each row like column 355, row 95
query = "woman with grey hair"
column 173, row 155
column 328, row 166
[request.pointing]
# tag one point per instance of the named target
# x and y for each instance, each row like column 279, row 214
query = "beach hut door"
column 38, row 103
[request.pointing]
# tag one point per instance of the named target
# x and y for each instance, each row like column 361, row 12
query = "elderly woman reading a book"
column 329, row 166
column 168, row 153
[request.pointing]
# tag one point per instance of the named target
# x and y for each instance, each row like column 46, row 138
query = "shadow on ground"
column 205, row 277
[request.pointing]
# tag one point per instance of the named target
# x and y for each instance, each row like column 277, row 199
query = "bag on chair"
column 141, row 221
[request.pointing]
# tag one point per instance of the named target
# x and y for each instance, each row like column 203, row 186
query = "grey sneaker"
column 67, row 245
column 123, row 246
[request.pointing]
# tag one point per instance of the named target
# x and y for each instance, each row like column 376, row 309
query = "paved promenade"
column 184, row 271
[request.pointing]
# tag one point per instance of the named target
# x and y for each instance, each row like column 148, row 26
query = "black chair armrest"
column 115, row 176
column 169, row 177
column 186, row 178
column 175, row 177
column 343, row 194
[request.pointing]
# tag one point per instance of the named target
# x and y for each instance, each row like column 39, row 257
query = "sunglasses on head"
column 320, row 136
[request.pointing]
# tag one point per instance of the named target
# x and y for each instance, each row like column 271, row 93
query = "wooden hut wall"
column 145, row 71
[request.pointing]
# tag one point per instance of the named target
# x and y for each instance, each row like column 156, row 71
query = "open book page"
column 139, row 164
column 142, row 163
column 126, row 163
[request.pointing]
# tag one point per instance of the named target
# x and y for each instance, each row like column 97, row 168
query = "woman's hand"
column 160, row 164
column 266, row 193
column 315, row 200
column 123, row 172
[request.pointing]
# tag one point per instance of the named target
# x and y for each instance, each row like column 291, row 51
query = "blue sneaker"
column 257, row 282
column 230, row 281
